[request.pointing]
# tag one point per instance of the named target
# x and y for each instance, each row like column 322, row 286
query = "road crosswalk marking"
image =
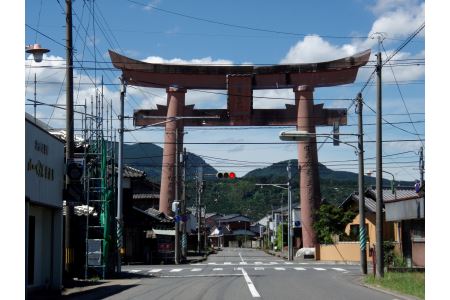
column 256, row 268
column 154, row 270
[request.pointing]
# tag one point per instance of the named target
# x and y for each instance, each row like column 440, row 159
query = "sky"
column 257, row 32
column 244, row 32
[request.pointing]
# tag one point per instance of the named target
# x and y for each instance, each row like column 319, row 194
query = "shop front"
column 44, row 172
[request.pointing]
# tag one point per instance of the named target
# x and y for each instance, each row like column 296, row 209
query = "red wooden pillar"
column 175, row 108
column 307, row 164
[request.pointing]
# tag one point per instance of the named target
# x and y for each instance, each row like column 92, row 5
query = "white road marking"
column 280, row 269
column 199, row 275
column 273, row 263
column 259, row 269
column 134, row 271
column 250, row 284
column 243, row 263
column 196, row 270
column 258, row 263
column 288, row 263
column 319, row 269
column 218, row 269
column 227, row 263
column 176, row 270
column 338, row 269
column 241, row 257
column 212, row 263
column 300, row 269
column 154, row 270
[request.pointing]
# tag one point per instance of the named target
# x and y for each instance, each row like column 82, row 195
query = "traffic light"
column 226, row 175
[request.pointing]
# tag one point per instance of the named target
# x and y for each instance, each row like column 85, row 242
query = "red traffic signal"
column 230, row 175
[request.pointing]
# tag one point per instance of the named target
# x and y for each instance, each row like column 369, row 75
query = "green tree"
column 331, row 220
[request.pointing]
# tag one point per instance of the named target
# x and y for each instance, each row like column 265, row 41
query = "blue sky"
column 236, row 32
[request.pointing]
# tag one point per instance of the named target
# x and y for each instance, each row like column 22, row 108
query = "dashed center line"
column 218, row 269
column 196, row 270
column 280, row 269
column 300, row 269
column 319, row 269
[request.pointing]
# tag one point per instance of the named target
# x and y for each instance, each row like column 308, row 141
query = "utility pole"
column 290, row 254
column 183, row 209
column 379, row 170
column 199, row 195
column 421, row 166
column 362, row 209
column 120, row 178
column 69, row 255
column 177, row 217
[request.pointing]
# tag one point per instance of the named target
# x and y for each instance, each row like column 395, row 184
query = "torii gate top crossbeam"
column 322, row 74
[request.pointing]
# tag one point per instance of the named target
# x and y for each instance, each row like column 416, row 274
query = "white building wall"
column 44, row 174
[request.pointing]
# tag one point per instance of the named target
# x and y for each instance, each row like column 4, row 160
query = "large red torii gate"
column 240, row 81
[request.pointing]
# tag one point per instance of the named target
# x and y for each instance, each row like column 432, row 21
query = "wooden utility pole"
column 68, row 253
column 379, row 179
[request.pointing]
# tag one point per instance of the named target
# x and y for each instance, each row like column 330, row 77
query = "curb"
column 389, row 292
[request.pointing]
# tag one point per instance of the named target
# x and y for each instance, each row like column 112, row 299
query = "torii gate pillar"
column 307, row 164
column 175, row 108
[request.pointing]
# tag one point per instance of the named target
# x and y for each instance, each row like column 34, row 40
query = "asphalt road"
column 239, row 273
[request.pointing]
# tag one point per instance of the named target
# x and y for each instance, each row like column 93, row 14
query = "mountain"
column 148, row 158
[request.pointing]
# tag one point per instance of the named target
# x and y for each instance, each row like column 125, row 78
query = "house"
column 232, row 231
column 352, row 229
column 407, row 208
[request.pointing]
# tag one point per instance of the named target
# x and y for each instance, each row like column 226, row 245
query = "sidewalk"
column 99, row 289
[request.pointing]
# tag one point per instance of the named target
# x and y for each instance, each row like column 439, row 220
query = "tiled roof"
column 145, row 196
column 130, row 172
column 369, row 203
column 156, row 214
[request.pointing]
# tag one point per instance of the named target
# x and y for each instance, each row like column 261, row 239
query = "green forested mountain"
column 148, row 158
column 240, row 195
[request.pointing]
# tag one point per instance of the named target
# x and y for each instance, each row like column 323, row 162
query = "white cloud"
column 315, row 49
column 382, row 6
column 195, row 61
column 400, row 22
column 151, row 4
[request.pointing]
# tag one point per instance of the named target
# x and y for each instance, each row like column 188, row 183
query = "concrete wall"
column 418, row 253
column 341, row 251
column 344, row 251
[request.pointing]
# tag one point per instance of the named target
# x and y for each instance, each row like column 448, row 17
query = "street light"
column 286, row 186
column 298, row 135
column 392, row 182
column 37, row 51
